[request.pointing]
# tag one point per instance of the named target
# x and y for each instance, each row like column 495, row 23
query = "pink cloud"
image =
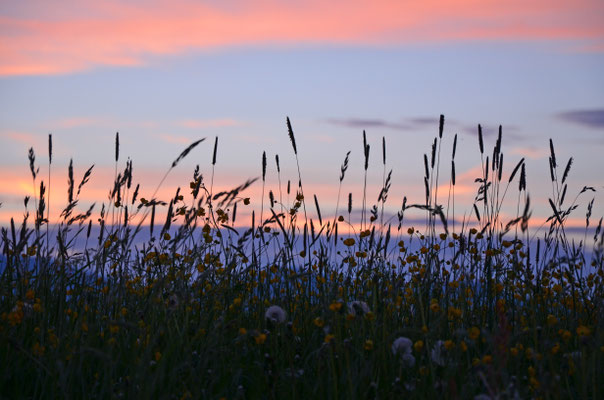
column 175, row 139
column 21, row 137
column 208, row 123
column 74, row 122
column 121, row 34
column 530, row 152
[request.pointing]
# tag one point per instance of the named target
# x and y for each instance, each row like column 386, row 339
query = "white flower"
column 408, row 360
column 439, row 353
column 358, row 308
column 403, row 346
column 275, row 314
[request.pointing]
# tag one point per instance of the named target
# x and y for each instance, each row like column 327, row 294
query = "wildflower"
column 473, row 333
column 275, row 314
column 402, row 347
column 358, row 308
column 368, row 345
column 319, row 322
column 260, row 338
column 418, row 346
column 157, row 356
column 439, row 353
column 246, row 201
column 349, row 242
column 329, row 338
column 583, row 330
column 551, row 320
column 38, row 350
column 336, row 306
column 242, row 331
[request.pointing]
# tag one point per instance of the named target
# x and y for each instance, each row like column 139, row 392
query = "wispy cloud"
column 175, row 139
column 368, row 123
column 20, row 137
column 208, row 123
column 37, row 39
column 530, row 152
column 591, row 118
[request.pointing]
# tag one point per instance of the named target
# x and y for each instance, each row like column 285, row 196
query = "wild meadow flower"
column 275, row 314
column 439, row 353
column 402, row 347
column 359, row 308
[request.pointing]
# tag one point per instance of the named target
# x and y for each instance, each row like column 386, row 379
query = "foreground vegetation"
column 301, row 307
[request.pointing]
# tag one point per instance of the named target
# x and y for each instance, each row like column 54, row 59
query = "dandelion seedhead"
column 359, row 308
column 403, row 347
column 275, row 314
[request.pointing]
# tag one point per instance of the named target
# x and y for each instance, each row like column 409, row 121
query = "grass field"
column 299, row 304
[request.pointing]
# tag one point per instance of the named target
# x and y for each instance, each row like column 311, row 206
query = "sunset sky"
column 165, row 73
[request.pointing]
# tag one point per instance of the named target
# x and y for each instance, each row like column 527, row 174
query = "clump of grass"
column 285, row 309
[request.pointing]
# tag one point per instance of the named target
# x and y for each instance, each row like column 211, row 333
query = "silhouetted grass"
column 293, row 307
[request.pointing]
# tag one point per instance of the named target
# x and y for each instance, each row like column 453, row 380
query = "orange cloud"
column 121, row 34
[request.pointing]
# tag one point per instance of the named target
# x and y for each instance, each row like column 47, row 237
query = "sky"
column 165, row 73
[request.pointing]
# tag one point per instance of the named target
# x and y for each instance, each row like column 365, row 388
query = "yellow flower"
column 349, row 242
column 319, row 322
column 566, row 335
column 583, row 330
column 242, row 331
column 336, row 306
column 260, row 338
column 473, row 333
column 329, row 338
column 157, row 356
column 418, row 346
column 551, row 320
column 449, row 344
column 368, row 345
column 38, row 350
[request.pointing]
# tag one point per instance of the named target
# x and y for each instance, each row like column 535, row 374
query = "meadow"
column 113, row 303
